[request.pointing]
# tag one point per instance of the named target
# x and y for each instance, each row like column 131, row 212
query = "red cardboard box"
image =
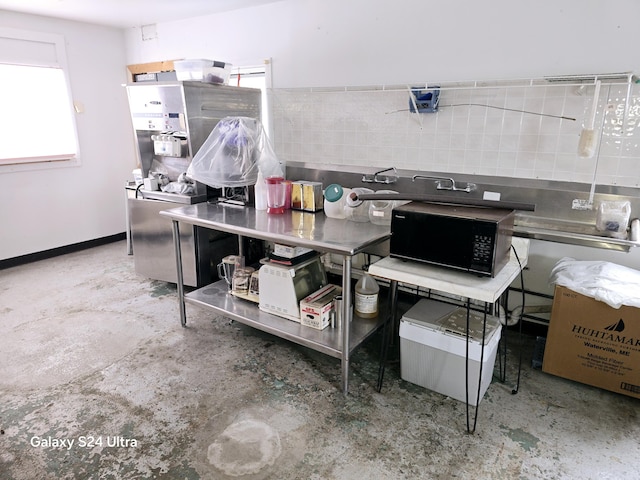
column 592, row 343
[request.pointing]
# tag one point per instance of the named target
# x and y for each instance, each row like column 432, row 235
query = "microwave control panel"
column 482, row 251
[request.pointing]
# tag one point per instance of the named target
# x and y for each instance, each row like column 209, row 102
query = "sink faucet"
column 446, row 183
column 377, row 178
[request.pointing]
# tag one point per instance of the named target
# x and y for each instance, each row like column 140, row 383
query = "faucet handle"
column 377, row 178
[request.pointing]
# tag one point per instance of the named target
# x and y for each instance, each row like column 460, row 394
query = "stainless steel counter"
column 167, row 197
column 568, row 232
column 311, row 230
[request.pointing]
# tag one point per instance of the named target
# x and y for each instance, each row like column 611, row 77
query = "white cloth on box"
column 607, row 282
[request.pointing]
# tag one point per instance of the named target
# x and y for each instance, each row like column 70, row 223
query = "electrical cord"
column 561, row 117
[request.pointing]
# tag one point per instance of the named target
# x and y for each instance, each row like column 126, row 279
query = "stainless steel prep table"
column 311, row 230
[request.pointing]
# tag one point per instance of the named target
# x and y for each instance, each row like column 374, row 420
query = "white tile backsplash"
column 475, row 131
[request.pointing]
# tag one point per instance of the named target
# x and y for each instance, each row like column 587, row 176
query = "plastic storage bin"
column 208, row 71
column 433, row 349
column 380, row 210
column 357, row 212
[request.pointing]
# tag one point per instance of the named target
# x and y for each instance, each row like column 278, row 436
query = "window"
column 253, row 77
column 37, row 121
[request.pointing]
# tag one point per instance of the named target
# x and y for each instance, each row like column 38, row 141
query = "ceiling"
column 126, row 13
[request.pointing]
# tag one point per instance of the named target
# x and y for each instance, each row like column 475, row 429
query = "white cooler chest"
column 433, row 349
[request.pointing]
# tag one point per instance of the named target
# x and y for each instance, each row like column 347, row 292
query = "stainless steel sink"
column 567, row 231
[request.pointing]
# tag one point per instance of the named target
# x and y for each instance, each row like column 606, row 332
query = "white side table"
column 463, row 284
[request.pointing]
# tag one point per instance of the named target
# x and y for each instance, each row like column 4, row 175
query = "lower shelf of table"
column 216, row 297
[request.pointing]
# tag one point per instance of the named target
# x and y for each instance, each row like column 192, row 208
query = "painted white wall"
column 365, row 42
column 242, row 37
column 50, row 208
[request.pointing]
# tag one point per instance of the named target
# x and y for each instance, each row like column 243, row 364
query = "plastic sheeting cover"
column 236, row 149
column 607, row 282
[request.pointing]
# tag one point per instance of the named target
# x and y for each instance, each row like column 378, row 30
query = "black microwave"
column 472, row 239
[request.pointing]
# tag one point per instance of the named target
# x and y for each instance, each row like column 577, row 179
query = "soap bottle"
column 260, row 191
column 366, row 297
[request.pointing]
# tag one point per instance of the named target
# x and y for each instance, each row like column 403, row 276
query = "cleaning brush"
column 588, row 139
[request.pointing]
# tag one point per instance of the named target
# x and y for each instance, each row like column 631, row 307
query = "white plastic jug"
column 260, row 190
column 335, row 197
column 366, row 297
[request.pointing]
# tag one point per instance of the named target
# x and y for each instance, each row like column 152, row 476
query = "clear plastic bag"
column 613, row 284
column 183, row 186
column 236, row 149
column 613, row 218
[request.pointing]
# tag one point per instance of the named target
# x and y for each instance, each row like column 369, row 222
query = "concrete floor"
column 91, row 353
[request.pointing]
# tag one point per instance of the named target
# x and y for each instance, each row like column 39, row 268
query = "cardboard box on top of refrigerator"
column 590, row 342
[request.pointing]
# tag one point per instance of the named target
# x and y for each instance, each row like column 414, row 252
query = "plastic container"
column 613, row 218
column 288, row 185
column 276, row 190
column 366, row 297
column 357, row 211
column 137, row 176
column 335, row 197
column 260, row 190
column 434, row 352
column 380, row 210
column 202, row 70
column 634, row 233
column 242, row 279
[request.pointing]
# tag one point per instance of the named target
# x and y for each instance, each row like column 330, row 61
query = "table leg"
column 346, row 321
column 127, row 223
column 388, row 330
column 477, row 393
column 503, row 303
column 240, row 246
column 180, row 281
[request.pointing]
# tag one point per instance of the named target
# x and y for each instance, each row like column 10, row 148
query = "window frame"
column 260, row 71
column 59, row 61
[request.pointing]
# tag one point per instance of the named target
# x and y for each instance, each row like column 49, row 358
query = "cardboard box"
column 151, row 68
column 433, row 346
column 592, row 343
column 316, row 309
column 289, row 251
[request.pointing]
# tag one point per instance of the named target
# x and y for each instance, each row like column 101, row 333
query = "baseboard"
column 54, row 252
